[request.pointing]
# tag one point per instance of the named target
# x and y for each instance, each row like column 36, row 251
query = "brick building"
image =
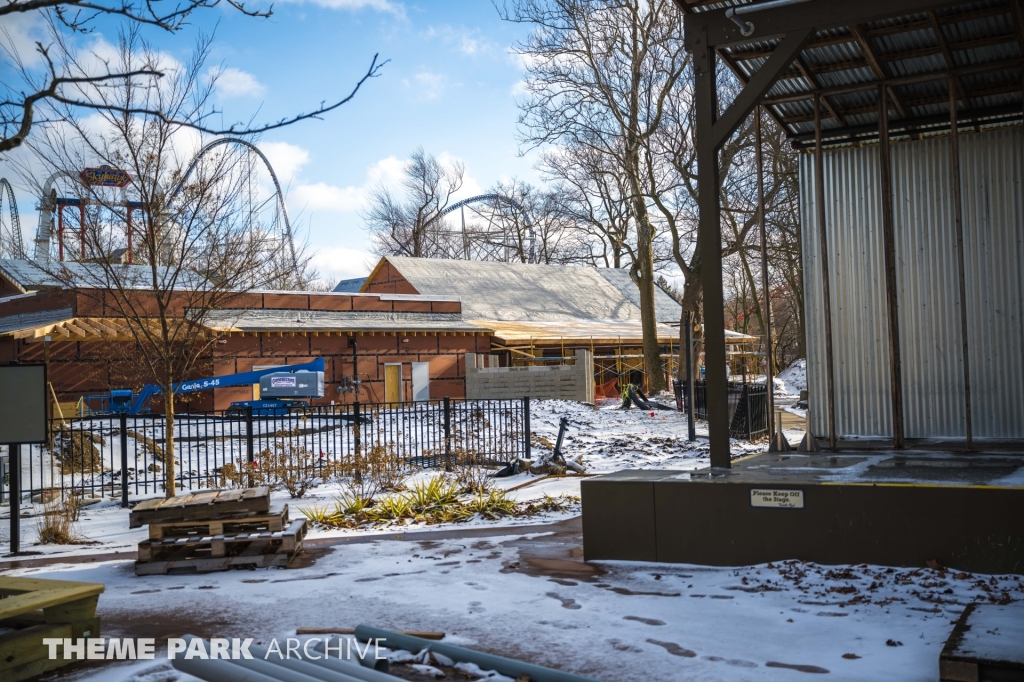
column 382, row 338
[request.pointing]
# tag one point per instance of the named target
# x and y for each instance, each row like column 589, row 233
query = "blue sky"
column 450, row 86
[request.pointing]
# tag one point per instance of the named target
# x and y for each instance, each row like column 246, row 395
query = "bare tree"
column 194, row 246
column 411, row 225
column 598, row 74
column 594, row 197
column 26, row 105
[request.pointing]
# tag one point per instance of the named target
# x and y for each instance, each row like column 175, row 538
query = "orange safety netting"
column 608, row 389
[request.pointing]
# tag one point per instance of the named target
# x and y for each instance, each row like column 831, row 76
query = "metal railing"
column 122, row 455
column 748, row 408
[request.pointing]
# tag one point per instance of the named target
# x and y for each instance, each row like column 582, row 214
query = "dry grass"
column 285, row 465
column 58, row 524
column 386, row 468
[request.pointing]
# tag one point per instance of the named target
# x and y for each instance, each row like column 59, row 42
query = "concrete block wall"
column 562, row 382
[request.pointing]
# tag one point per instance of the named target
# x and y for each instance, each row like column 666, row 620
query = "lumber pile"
column 216, row 531
column 32, row 609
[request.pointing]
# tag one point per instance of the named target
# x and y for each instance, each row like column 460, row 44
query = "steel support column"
column 954, row 146
column 826, row 284
column 769, row 384
column 889, row 249
column 709, row 247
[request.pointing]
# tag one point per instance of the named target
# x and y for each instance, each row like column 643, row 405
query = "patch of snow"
column 635, row 622
column 476, row 671
column 793, row 379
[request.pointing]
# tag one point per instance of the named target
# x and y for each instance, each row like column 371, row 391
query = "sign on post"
column 23, row 401
column 22, row 422
column 105, row 176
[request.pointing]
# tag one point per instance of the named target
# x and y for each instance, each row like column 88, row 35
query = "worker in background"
column 632, row 393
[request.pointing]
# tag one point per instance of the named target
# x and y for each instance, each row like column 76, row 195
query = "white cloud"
column 464, row 40
column 430, row 85
column 286, row 159
column 232, row 82
column 394, row 8
column 18, row 38
column 323, row 197
column 335, row 263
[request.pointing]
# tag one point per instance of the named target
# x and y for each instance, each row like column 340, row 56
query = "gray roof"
column 328, row 320
column 349, row 286
column 31, row 276
column 524, row 292
column 913, row 52
column 15, row 323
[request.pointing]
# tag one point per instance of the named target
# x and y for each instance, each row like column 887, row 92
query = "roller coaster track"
column 11, row 245
column 270, row 169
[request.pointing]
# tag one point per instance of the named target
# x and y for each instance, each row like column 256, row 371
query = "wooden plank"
column 31, row 594
column 26, row 645
column 230, row 495
column 70, row 611
column 202, row 499
column 225, row 510
column 15, row 672
column 273, row 520
column 251, row 493
column 149, row 504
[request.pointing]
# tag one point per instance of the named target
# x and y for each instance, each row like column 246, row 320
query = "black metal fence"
column 122, row 455
column 748, row 408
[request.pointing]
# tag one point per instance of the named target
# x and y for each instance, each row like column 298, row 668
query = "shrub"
column 386, row 468
column 493, row 505
column 57, row 525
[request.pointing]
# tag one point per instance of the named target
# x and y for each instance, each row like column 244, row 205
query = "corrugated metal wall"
column 992, row 168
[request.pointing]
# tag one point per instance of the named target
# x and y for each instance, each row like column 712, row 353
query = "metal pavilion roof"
column 979, row 44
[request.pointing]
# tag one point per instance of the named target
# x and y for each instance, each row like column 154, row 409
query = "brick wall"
column 563, row 382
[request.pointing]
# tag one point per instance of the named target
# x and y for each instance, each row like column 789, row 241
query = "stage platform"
column 896, row 508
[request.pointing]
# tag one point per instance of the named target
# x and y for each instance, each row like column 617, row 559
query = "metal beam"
column 709, row 246
column 719, row 31
column 758, row 86
column 994, row 114
column 889, row 252
column 954, row 148
column 765, row 287
column 815, row 87
column 864, row 42
column 894, row 82
column 947, row 54
column 826, row 285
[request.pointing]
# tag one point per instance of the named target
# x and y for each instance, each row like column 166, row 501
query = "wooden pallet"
column 221, row 552
column 34, row 608
column 273, row 521
column 218, row 504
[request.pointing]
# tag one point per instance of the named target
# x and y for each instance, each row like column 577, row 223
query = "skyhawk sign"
column 105, row 176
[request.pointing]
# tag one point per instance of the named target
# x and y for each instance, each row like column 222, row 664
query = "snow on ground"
column 621, row 621
column 608, row 439
column 793, row 379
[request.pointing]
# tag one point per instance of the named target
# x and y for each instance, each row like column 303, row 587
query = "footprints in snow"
column 567, row 603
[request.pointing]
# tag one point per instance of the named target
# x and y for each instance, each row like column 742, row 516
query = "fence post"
column 447, row 434
column 250, row 453
column 14, row 464
column 124, row 460
column 690, row 393
column 746, row 409
column 526, row 428
column 357, row 427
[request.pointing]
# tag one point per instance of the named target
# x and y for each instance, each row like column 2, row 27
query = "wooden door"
column 393, row 383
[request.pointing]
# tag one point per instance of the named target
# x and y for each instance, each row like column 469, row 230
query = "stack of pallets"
column 215, row 531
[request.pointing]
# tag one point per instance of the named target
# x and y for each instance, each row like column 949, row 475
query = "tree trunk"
column 653, row 367
column 692, row 293
column 169, row 485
